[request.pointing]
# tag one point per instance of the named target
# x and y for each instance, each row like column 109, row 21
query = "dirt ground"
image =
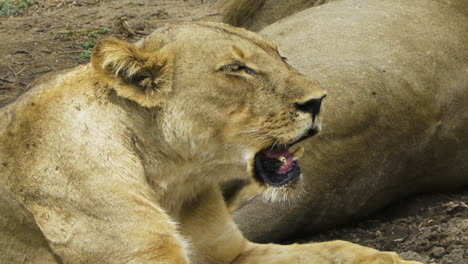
column 431, row 228
column 51, row 35
column 56, row 34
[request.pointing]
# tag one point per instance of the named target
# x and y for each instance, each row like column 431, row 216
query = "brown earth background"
column 48, row 36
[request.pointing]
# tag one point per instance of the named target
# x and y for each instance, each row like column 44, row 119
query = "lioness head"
column 223, row 95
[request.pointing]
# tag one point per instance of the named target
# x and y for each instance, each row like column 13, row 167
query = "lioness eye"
column 238, row 68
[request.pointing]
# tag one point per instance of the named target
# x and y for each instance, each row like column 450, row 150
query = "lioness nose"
column 312, row 106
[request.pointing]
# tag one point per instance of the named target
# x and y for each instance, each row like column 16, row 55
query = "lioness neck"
column 177, row 170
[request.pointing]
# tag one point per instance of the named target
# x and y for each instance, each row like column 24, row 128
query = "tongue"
column 285, row 155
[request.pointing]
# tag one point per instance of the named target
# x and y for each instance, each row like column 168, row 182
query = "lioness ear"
column 139, row 75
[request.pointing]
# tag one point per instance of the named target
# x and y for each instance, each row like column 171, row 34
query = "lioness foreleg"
column 114, row 224
column 321, row 253
column 213, row 235
column 216, row 239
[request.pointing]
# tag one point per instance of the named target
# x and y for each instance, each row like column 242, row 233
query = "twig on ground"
column 14, row 72
column 6, row 80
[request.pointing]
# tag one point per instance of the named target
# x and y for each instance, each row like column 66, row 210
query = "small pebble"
column 411, row 255
column 437, row 252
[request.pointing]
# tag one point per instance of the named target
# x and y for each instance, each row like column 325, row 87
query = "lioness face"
column 232, row 99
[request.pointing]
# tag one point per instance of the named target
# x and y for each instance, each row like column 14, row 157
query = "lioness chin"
column 119, row 161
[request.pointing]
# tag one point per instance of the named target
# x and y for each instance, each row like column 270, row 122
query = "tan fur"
column 120, row 161
column 237, row 12
column 257, row 14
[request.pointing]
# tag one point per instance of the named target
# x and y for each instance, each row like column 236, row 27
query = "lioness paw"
column 385, row 258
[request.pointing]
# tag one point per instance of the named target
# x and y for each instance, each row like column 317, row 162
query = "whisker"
column 253, row 124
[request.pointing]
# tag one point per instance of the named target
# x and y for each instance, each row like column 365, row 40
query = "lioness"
column 119, row 161
column 396, row 73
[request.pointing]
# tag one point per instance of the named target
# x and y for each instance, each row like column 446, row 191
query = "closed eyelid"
column 237, row 65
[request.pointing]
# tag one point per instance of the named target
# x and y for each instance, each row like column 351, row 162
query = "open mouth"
column 277, row 165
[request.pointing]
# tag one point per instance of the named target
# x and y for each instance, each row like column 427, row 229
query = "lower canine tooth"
column 283, row 160
column 298, row 153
